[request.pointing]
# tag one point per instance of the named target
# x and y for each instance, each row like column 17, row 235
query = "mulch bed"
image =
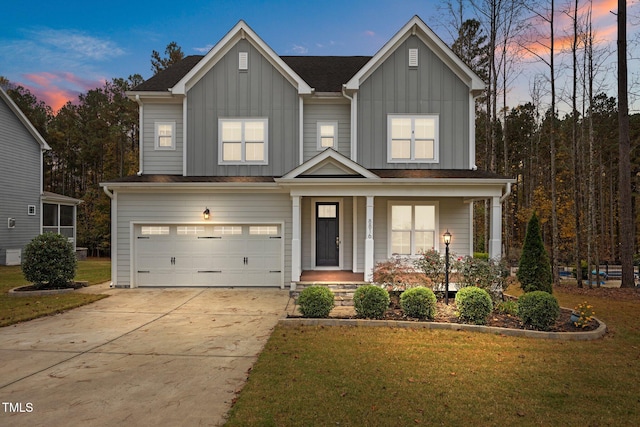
column 28, row 288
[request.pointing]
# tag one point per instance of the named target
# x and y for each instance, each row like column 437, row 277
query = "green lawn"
column 13, row 310
column 358, row 376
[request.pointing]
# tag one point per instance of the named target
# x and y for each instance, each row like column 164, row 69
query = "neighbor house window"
column 413, row 139
column 327, row 135
column 242, row 141
column 412, row 228
column 165, row 136
column 58, row 219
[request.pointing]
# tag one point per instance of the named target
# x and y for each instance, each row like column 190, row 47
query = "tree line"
column 566, row 166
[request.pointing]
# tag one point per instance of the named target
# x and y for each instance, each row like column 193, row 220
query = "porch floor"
column 331, row 276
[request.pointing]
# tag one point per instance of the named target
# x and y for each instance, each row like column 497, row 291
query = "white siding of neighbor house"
column 178, row 208
column 453, row 215
column 20, row 175
column 162, row 161
column 314, row 113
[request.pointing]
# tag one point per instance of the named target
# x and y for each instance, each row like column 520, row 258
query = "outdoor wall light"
column 447, row 241
column 206, row 214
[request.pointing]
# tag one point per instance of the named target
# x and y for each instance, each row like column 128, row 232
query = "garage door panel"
column 209, row 256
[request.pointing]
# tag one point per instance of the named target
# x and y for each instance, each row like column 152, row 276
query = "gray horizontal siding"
column 20, row 175
column 314, row 113
column 177, row 208
column 162, row 161
column 226, row 92
column 431, row 88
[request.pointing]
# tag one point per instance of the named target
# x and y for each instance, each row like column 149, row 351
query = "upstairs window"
column 413, row 139
column 165, row 136
column 242, row 141
column 327, row 135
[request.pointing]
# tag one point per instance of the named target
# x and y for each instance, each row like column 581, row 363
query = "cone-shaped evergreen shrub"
column 534, row 272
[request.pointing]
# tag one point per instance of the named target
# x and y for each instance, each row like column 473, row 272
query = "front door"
column 327, row 234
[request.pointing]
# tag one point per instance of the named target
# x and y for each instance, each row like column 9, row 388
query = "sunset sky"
column 59, row 50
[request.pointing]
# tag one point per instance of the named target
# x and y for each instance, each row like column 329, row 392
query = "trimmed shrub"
column 419, row 302
column 534, row 270
column 370, row 301
column 49, row 261
column 507, row 307
column 538, row 310
column 474, row 305
column 316, row 301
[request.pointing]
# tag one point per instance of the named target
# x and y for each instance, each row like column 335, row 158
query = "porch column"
column 495, row 242
column 296, row 254
column 368, row 242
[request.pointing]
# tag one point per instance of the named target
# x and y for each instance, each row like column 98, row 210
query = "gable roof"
column 416, row 26
column 25, row 121
column 239, row 32
column 333, row 158
column 167, row 78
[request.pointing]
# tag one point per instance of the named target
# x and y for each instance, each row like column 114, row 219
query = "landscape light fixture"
column 447, row 241
column 206, row 214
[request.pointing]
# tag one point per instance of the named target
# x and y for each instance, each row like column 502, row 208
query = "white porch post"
column 368, row 243
column 495, row 243
column 296, row 254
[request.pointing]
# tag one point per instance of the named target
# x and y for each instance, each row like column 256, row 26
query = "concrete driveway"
column 142, row 357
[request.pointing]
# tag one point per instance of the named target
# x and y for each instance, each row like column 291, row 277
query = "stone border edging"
column 15, row 293
column 564, row 336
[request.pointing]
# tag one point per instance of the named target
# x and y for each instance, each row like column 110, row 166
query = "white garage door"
column 208, row 255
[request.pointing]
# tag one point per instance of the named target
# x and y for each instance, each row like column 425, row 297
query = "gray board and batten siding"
column 227, row 92
column 339, row 113
column 430, row 88
column 20, row 175
column 162, row 161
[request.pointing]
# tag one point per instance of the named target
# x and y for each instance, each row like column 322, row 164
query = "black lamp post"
column 447, row 240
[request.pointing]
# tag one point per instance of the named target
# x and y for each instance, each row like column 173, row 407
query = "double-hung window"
column 242, row 141
column 413, row 228
column 165, row 136
column 327, row 135
column 413, row 139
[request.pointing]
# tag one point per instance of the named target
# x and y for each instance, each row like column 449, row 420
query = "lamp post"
column 447, row 240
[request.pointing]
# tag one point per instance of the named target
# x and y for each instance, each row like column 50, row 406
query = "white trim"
column 413, row 204
column 340, row 202
column 329, row 153
column 240, row 31
column 243, row 121
column 156, row 135
column 369, row 243
column 416, row 26
column 25, row 121
column 413, row 117
column 471, row 230
column 354, row 245
column 184, row 136
column 354, row 128
column 301, row 131
column 319, row 135
column 472, row 133
column 296, row 233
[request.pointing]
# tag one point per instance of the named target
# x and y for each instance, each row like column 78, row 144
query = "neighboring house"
column 256, row 167
column 25, row 210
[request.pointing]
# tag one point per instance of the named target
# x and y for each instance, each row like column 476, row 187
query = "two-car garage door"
column 208, row 255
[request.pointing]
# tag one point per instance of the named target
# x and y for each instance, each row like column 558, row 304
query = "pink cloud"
column 56, row 89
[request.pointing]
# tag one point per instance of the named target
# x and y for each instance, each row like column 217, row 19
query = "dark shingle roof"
column 326, row 73
column 168, row 179
column 436, row 173
column 167, row 78
column 323, row 73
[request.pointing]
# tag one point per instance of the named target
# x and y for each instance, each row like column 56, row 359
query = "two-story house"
column 25, row 209
column 256, row 168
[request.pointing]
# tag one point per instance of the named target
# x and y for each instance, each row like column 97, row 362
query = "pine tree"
column 534, row 272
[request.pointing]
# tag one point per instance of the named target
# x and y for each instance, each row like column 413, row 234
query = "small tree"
column 534, row 272
column 49, row 261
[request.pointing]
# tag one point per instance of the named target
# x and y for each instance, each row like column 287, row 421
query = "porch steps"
column 342, row 290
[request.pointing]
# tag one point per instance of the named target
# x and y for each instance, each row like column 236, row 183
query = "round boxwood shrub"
column 419, row 302
column 370, row 301
column 474, row 305
column 538, row 309
column 48, row 261
column 316, row 301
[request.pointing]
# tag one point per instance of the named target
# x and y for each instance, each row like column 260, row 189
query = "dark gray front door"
column 327, row 234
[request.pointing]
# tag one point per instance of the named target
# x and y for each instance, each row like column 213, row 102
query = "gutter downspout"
column 507, row 192
column 354, row 118
column 140, row 135
column 114, row 236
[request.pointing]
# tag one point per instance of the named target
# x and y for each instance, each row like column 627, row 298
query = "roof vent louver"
column 413, row 57
column 243, row 61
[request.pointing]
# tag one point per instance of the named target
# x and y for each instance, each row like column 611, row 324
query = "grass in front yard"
column 354, row 376
column 14, row 310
